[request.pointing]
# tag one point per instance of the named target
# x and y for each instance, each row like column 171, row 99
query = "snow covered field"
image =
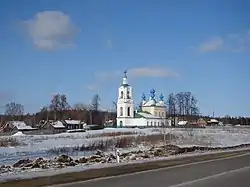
column 72, row 144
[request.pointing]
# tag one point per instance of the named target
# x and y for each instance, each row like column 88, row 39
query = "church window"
column 162, row 114
column 121, row 94
column 147, row 123
column 158, row 123
column 128, row 94
column 128, row 111
column 159, row 114
column 121, row 124
column 121, row 111
column 151, row 123
column 154, row 123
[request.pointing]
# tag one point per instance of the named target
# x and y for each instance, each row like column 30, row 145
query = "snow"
column 79, row 168
column 73, row 122
column 58, row 124
column 20, row 125
column 181, row 123
column 18, row 134
column 46, row 145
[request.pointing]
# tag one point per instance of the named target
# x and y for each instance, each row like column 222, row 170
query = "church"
column 152, row 111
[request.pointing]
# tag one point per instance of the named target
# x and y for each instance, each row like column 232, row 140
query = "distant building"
column 213, row 122
column 153, row 112
column 201, row 122
column 13, row 126
column 61, row 125
column 182, row 123
column 74, row 124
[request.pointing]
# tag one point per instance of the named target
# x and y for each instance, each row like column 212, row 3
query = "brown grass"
column 112, row 171
column 110, row 134
column 114, row 142
column 9, row 142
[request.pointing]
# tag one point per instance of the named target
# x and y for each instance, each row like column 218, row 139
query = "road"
column 225, row 172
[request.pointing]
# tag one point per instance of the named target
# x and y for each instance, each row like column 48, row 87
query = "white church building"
column 152, row 113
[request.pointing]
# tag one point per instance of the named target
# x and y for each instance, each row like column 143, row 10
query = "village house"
column 182, row 123
column 73, row 124
column 201, row 122
column 51, row 126
column 213, row 122
column 14, row 126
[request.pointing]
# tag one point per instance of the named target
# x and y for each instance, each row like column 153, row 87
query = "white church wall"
column 141, row 122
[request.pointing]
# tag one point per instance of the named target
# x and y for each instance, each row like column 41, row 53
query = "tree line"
column 183, row 105
column 59, row 109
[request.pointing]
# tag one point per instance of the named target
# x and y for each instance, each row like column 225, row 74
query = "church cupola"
column 125, row 79
column 143, row 99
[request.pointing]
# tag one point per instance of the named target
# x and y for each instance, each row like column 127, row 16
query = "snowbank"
column 19, row 133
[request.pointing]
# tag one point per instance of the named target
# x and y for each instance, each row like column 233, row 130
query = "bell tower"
column 125, row 103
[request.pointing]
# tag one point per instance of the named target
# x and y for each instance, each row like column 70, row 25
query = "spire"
column 125, row 79
column 125, row 74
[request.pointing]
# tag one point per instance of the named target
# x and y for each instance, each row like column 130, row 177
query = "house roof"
column 20, row 125
column 57, row 124
column 182, row 122
column 201, row 121
column 72, row 122
column 145, row 115
column 213, row 121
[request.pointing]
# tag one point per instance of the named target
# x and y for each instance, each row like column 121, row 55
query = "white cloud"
column 151, row 72
column 109, row 43
column 239, row 42
column 102, row 77
column 92, row 86
column 50, row 30
column 213, row 44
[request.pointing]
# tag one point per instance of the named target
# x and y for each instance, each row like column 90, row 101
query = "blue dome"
column 161, row 97
column 152, row 90
column 143, row 97
column 152, row 93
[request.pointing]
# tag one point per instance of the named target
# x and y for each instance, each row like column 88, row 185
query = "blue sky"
column 82, row 47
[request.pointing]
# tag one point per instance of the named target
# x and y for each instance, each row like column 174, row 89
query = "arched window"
column 151, row 123
column 128, row 94
column 158, row 123
column 163, row 114
column 121, row 111
column 122, row 94
column 147, row 123
column 159, row 114
column 128, row 111
column 121, row 124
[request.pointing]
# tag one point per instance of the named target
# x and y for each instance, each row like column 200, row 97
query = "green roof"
column 125, row 85
column 140, row 116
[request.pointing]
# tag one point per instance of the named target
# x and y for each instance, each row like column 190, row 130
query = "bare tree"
column 114, row 104
column 95, row 104
column 59, row 104
column 187, row 102
column 180, row 102
column 80, row 106
column 171, row 103
column 194, row 108
column 64, row 105
column 14, row 109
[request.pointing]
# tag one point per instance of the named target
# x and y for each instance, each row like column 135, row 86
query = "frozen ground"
column 41, row 145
